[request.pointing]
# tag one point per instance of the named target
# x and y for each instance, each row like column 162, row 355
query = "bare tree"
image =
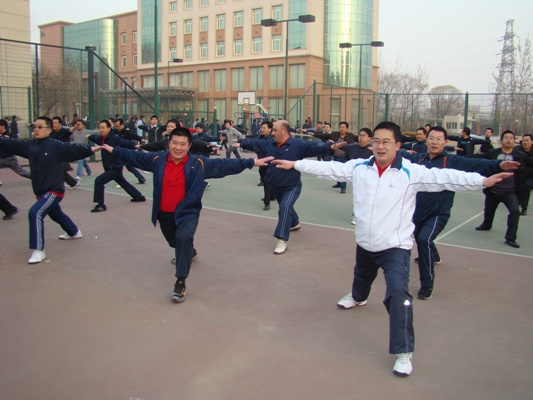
column 446, row 100
column 406, row 104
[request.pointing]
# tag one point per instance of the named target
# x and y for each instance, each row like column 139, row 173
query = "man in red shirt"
column 178, row 190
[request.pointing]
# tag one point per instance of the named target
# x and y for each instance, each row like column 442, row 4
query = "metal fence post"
column 465, row 121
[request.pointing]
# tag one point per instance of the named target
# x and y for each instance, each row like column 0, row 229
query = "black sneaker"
column 425, row 293
column 437, row 261
column 139, row 200
column 9, row 216
column 179, row 292
column 523, row 211
column 99, row 208
column 512, row 243
column 336, row 186
column 483, row 228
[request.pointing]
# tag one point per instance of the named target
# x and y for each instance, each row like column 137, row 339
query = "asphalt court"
column 95, row 320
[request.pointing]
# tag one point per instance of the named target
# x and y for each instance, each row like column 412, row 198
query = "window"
column 257, row 15
column 277, row 13
column 187, row 26
column 204, row 3
column 221, row 48
column 276, row 77
column 237, row 79
column 133, row 83
column 221, row 21
column 276, row 43
column 238, row 18
column 187, row 4
column 124, row 38
column 257, row 45
column 297, row 76
column 220, row 80
column 135, row 60
column 203, row 81
column 237, row 47
column 256, row 78
column 172, row 29
column 221, row 1
column 124, row 61
column 221, row 108
column 203, row 24
column 275, row 105
column 182, row 79
column 172, row 6
column 187, row 51
column 172, row 53
column 135, row 37
column 203, row 50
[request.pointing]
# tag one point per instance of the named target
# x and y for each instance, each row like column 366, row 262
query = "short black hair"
column 105, row 121
column 390, row 126
column 154, row 116
column 4, row 123
column 467, row 130
column 47, row 121
column 120, row 121
column 180, row 131
column 505, row 132
column 267, row 123
column 57, row 117
column 488, row 128
column 367, row 131
column 439, row 129
column 528, row 134
column 422, row 129
column 82, row 122
column 345, row 123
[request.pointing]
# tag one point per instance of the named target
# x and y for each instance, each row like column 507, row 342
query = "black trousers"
column 492, row 200
column 268, row 191
column 114, row 174
column 5, row 206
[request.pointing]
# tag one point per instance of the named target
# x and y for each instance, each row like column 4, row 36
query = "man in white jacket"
column 384, row 195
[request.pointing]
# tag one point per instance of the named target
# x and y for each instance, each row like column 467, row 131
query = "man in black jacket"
column 126, row 134
column 112, row 166
column 62, row 133
column 46, row 157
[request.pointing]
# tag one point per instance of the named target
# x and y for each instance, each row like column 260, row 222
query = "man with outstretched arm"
column 178, row 190
column 384, row 194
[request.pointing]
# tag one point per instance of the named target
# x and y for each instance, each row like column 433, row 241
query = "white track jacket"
column 384, row 206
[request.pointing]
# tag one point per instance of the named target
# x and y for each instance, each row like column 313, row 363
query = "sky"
column 457, row 42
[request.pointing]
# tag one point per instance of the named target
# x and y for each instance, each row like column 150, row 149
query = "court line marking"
column 457, row 227
column 487, row 251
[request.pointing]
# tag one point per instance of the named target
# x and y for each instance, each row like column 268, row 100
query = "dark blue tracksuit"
column 187, row 213
column 433, row 208
column 287, row 184
column 47, row 157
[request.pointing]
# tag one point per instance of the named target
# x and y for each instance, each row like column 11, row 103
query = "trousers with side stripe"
column 287, row 216
column 47, row 204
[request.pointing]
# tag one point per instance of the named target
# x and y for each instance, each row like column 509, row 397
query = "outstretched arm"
column 494, row 179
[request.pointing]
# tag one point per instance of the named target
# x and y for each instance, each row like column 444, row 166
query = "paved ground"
column 95, row 321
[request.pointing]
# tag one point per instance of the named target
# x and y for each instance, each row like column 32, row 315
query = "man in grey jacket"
column 232, row 135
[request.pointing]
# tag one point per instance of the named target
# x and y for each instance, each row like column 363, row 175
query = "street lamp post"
column 174, row 60
column 307, row 18
column 349, row 46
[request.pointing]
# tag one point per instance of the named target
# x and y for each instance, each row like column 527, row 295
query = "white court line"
column 457, row 227
column 486, row 251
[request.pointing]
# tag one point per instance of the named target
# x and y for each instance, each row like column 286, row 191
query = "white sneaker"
column 36, row 257
column 403, row 365
column 75, row 186
column 118, row 187
column 353, row 221
column 78, row 178
column 281, row 247
column 65, row 236
column 296, row 227
column 348, row 302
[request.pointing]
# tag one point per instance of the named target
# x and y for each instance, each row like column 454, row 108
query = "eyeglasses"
column 435, row 139
column 40, row 127
column 384, row 142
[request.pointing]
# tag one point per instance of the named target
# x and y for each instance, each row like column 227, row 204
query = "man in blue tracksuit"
column 178, row 190
column 47, row 157
column 466, row 144
column 287, row 185
column 433, row 209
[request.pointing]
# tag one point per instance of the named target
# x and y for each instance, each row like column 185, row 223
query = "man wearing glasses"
column 385, row 188
column 47, row 158
column 433, row 209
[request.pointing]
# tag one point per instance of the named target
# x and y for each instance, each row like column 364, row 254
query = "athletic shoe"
column 403, row 365
column 141, row 182
column 281, row 247
column 348, row 302
column 523, row 211
column 78, row 178
column 437, row 261
column 336, row 186
column 139, row 200
column 207, row 185
column 36, row 257
column 483, row 228
column 65, row 236
column 99, row 208
column 75, row 186
column 266, row 207
column 10, row 215
column 425, row 293
column 179, row 292
column 512, row 243
column 0, row 183
column 343, row 190
column 296, row 227
column 118, row 187
column 353, row 221
column 260, row 184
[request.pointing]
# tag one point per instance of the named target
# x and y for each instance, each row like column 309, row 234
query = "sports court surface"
column 95, row 320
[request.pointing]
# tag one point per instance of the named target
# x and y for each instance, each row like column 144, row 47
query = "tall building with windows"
column 207, row 51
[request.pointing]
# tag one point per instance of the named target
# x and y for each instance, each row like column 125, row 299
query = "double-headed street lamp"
column 349, row 46
column 273, row 22
column 174, row 60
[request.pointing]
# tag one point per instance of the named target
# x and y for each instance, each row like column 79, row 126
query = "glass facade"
column 297, row 30
column 99, row 33
column 147, row 24
column 348, row 21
